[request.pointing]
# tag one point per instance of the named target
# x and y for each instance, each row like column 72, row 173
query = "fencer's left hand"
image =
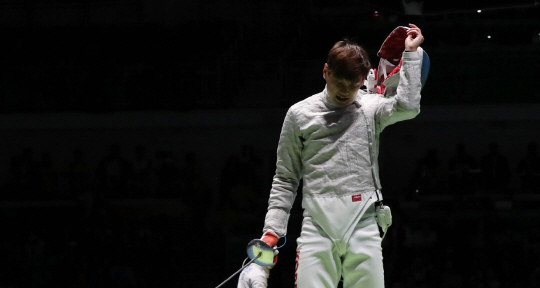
column 414, row 38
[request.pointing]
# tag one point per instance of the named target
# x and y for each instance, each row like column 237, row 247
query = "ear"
column 325, row 71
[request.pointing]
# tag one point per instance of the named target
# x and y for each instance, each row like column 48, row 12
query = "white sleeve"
column 287, row 177
column 406, row 104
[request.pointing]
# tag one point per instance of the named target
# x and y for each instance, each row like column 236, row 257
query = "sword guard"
column 257, row 246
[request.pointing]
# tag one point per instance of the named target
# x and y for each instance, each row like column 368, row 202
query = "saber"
column 253, row 260
column 262, row 250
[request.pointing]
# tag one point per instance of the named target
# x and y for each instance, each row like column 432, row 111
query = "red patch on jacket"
column 356, row 198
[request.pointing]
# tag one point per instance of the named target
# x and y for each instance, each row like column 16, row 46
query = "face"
column 341, row 91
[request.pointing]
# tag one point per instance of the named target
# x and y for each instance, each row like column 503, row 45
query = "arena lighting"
column 489, row 36
column 531, row 4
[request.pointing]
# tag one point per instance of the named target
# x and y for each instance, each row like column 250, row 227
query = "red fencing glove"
column 390, row 63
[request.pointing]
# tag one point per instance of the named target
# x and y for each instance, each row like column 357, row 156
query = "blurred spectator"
column 450, row 278
column 229, row 175
column 195, row 191
column 243, row 173
column 238, row 196
column 113, row 174
column 251, row 170
column 495, row 171
column 429, row 176
column 462, row 172
column 14, row 182
column 35, row 262
column 535, row 39
column 77, row 174
column 142, row 173
column 192, row 177
column 48, row 176
column 492, row 279
column 168, row 176
column 535, row 276
column 423, row 237
column 29, row 171
column 529, row 170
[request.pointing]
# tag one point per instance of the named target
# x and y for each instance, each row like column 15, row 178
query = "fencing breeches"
column 321, row 262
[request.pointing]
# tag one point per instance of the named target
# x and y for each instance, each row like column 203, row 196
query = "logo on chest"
column 356, row 198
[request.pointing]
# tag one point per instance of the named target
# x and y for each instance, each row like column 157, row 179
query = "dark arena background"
column 139, row 137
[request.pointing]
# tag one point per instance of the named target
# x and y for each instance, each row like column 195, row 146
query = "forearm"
column 282, row 197
column 408, row 90
column 406, row 104
column 287, row 177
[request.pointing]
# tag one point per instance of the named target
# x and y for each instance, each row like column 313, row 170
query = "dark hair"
column 348, row 60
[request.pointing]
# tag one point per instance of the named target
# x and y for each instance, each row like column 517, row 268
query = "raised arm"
column 406, row 104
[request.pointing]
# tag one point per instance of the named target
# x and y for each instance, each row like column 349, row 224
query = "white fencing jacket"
column 335, row 151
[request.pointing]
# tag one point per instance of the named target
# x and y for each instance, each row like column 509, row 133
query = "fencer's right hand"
column 414, row 38
column 254, row 276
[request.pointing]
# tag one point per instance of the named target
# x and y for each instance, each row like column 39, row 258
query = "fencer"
column 330, row 141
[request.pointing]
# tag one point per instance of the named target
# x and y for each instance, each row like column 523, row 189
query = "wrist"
column 270, row 238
